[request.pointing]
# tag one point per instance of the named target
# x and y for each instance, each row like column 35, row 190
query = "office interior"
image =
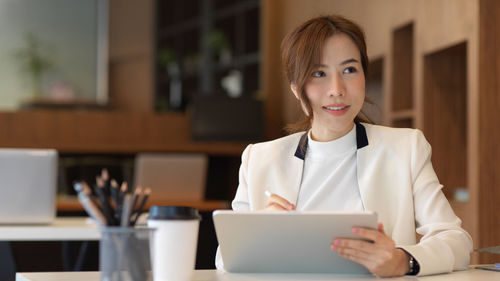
column 434, row 65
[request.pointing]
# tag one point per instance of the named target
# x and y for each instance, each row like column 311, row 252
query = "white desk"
column 62, row 229
column 214, row 275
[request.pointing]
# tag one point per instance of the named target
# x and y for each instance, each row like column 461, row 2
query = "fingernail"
column 355, row 230
column 337, row 242
column 333, row 247
column 291, row 207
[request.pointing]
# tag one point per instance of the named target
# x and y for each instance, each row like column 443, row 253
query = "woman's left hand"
column 381, row 256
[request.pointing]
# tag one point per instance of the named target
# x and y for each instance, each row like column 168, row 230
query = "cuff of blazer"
column 433, row 257
column 219, row 263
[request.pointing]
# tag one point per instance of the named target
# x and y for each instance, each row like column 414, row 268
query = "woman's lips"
column 337, row 110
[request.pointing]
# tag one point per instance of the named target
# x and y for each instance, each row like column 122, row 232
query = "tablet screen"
column 287, row 242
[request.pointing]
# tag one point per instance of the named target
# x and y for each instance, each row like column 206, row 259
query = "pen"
column 83, row 196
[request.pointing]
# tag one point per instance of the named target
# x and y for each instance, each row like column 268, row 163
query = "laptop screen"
column 28, row 179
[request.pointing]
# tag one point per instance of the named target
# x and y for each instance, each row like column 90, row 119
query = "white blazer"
column 396, row 180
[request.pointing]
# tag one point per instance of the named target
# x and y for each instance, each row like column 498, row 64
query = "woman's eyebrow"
column 349, row 61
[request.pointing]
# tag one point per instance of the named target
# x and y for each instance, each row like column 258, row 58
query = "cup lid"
column 173, row 213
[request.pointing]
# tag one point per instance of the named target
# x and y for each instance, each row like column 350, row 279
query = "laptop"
column 28, row 179
column 172, row 177
column 287, row 242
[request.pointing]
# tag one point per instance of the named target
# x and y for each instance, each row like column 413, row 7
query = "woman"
column 336, row 162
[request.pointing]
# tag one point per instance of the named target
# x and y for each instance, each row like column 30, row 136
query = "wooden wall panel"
column 489, row 133
column 270, row 68
column 105, row 132
column 131, row 84
column 131, row 29
column 445, row 92
column 402, row 68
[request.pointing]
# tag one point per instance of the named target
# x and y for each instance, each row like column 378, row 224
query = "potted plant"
column 34, row 62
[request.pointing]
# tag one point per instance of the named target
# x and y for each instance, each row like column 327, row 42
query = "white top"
column 217, row 275
column 329, row 180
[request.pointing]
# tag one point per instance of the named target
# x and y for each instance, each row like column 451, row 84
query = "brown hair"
column 302, row 49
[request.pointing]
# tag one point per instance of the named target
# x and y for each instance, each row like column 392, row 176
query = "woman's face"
column 336, row 89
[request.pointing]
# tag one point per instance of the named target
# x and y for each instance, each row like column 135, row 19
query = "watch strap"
column 413, row 265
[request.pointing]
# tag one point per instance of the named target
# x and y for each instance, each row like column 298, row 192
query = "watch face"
column 413, row 266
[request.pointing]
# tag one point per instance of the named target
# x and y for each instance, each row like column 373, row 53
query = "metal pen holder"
column 124, row 254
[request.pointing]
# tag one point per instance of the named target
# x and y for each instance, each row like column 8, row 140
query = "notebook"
column 28, row 179
column 287, row 242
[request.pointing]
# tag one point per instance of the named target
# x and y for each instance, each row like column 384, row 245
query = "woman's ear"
column 296, row 94
column 294, row 90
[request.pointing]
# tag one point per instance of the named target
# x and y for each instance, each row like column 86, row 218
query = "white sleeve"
column 444, row 246
column 219, row 264
column 240, row 202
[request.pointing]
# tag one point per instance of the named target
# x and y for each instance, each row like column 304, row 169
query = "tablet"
column 287, row 242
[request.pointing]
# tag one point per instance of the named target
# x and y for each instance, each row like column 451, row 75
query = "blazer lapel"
column 295, row 169
column 361, row 158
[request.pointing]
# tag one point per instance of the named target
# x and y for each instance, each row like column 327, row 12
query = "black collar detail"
column 361, row 141
column 361, row 137
column 300, row 152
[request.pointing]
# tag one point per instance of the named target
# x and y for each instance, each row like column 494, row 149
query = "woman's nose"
column 336, row 86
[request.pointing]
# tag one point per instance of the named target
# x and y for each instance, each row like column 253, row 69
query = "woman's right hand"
column 278, row 203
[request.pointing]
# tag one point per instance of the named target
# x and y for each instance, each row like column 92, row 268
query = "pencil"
column 114, row 192
column 123, row 191
column 114, row 195
column 105, row 179
column 107, row 209
column 105, row 174
column 127, row 210
column 83, row 192
column 145, row 197
column 121, row 194
column 137, row 193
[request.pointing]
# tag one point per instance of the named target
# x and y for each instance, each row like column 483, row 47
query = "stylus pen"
column 267, row 193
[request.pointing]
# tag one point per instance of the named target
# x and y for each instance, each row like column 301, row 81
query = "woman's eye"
column 350, row 69
column 318, row 74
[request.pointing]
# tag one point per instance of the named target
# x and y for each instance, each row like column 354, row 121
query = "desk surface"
column 214, row 275
column 62, row 229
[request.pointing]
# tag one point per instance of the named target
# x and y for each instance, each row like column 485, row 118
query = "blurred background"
column 109, row 82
